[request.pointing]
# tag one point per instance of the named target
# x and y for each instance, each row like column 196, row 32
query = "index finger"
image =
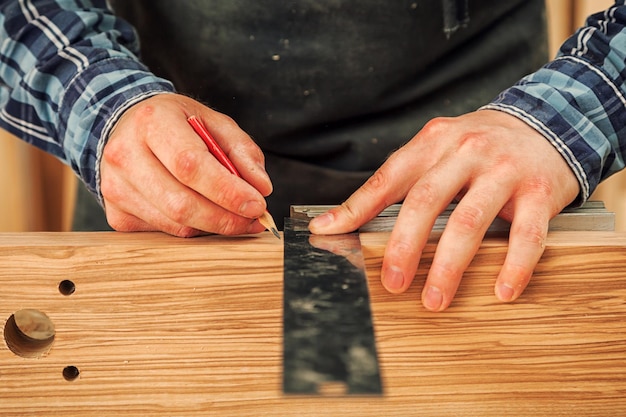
column 187, row 158
column 388, row 185
column 239, row 152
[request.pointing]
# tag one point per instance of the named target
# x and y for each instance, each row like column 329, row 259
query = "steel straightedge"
column 328, row 333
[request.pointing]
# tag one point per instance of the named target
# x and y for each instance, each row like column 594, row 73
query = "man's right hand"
column 158, row 175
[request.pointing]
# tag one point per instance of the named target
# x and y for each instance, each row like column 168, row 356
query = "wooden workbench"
column 158, row 325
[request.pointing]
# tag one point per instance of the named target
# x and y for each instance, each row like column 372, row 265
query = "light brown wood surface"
column 168, row 327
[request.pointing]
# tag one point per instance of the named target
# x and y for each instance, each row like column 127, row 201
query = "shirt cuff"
column 563, row 101
column 93, row 103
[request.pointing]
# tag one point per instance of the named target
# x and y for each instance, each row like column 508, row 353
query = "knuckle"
column 540, row 187
column 469, row 218
column 252, row 149
column 249, row 148
column 145, row 110
column 224, row 193
column 350, row 210
column 186, row 165
column 115, row 153
column 505, row 164
column 402, row 249
column 436, row 126
column 372, row 192
column 178, row 208
column 533, row 233
column 473, row 142
column 377, row 187
column 379, row 180
column 425, row 194
column 258, row 154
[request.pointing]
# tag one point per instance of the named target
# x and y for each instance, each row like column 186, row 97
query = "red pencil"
column 266, row 219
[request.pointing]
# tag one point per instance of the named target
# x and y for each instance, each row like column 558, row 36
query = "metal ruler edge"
column 591, row 216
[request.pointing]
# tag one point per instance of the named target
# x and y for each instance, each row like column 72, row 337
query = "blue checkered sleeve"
column 578, row 101
column 68, row 69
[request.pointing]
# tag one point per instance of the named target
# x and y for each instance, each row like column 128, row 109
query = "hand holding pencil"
column 156, row 173
column 265, row 219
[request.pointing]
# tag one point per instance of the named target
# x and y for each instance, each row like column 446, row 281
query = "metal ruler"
column 591, row 216
column 328, row 333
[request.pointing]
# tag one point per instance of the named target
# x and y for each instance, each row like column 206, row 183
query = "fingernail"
column 251, row 209
column 433, row 298
column 393, row 279
column 505, row 292
column 321, row 221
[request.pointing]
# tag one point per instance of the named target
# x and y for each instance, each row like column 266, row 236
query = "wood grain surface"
column 161, row 326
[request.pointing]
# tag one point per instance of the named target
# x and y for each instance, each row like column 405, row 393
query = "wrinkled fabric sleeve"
column 578, row 101
column 68, row 70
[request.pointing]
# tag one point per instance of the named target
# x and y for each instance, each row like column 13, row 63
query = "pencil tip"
column 267, row 221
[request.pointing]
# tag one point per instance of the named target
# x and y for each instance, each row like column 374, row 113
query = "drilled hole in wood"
column 67, row 287
column 29, row 333
column 70, row 373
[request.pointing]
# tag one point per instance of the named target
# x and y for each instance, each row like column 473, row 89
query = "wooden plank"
column 165, row 326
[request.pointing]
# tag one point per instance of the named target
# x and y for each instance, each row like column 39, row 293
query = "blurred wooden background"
column 37, row 192
column 564, row 16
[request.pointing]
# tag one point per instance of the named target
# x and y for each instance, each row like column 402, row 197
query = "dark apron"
column 329, row 88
